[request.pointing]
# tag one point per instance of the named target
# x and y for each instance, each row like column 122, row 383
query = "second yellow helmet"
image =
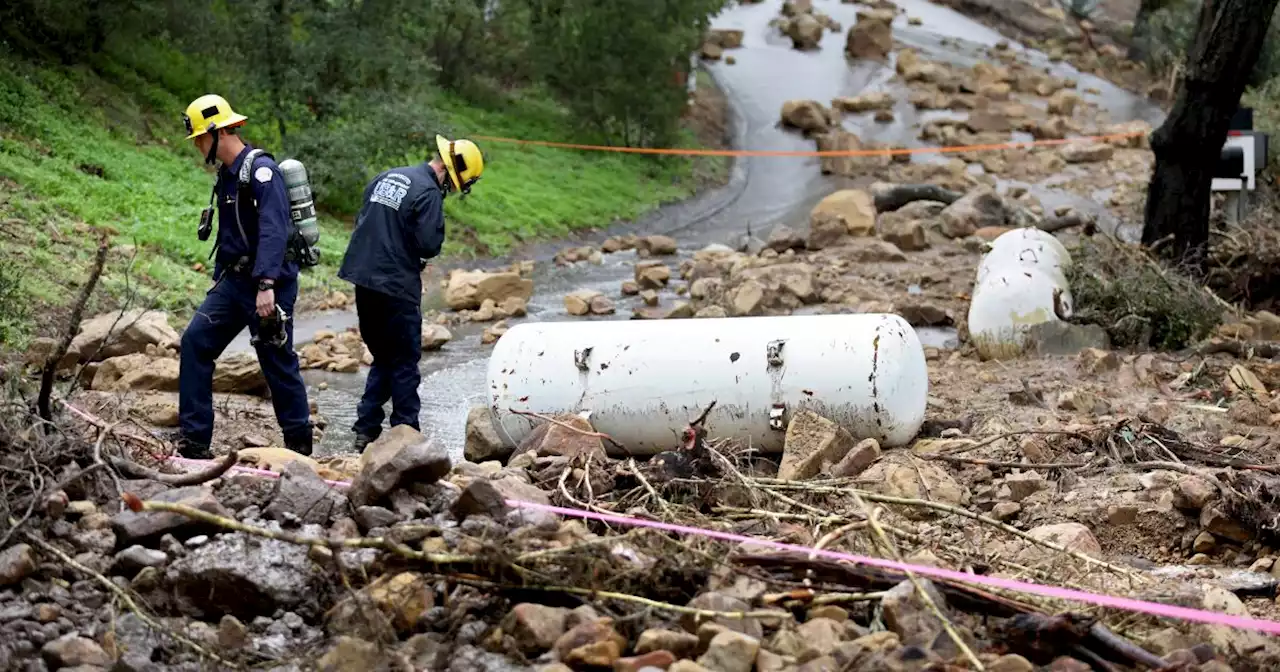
column 462, row 161
column 208, row 112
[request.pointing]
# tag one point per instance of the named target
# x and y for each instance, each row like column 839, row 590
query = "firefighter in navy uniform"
column 255, row 285
column 400, row 226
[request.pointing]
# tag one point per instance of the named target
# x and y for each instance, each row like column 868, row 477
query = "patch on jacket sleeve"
column 262, row 174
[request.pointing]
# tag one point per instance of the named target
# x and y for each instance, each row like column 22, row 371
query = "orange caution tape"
column 782, row 152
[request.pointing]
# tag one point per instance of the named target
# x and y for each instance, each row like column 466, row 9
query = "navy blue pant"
column 392, row 328
column 227, row 309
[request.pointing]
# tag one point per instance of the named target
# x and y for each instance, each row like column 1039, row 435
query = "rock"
column 652, row 275
column 136, row 372
column 144, row 527
column 849, row 212
column 924, row 315
column 402, row 600
column 601, row 305
column 469, row 289
column 232, row 634
column 1022, row 486
column 857, row 460
column 712, row 52
column 1072, row 536
column 535, row 627
column 805, row 32
column 350, row 653
column 131, row 560
column 686, row 666
column 480, row 497
column 1093, row 152
column 1232, row 642
column 898, row 475
column 483, row 443
column 871, row 36
column 551, row 439
column 579, row 302
column 1005, row 510
column 115, row 334
column 729, row 39
column 370, row 517
column 1193, row 492
column 1240, row 380
column 907, row 616
column 654, row 660
column 1216, row 522
column 656, row 246
column 301, row 493
column 630, row 288
column 812, row 446
column 434, row 336
column 16, row 563
column 870, row 251
column 72, row 650
column 784, row 238
column 730, row 652
column 718, row 601
column 820, row 636
column 1204, row 543
column 246, row 576
column 807, row 115
column 792, row 8
column 682, row 644
column 402, row 454
column 979, row 208
column 1010, row 662
column 1064, row 338
column 867, row 102
column 1064, row 102
column 1094, row 361
column 591, row 644
column 908, row 236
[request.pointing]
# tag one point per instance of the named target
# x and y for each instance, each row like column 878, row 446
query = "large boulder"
column 239, row 373
column 469, row 289
column 247, row 576
column 849, row 212
column 805, row 32
column 400, row 456
column 136, row 372
column 807, row 115
column 115, row 334
column 840, row 140
column 871, row 36
column 774, row 288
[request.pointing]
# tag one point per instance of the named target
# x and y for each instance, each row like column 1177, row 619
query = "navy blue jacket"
column 266, row 227
column 400, row 227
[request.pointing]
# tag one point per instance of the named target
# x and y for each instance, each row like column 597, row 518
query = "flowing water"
column 762, row 191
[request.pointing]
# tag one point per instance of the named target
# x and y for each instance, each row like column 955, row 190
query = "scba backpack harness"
column 304, row 234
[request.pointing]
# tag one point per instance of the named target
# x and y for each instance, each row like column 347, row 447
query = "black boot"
column 300, row 443
column 362, row 441
column 192, row 450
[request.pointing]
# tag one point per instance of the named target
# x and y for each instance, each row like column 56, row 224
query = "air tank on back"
column 644, row 381
column 302, row 206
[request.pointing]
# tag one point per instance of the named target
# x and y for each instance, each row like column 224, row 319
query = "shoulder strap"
column 246, row 168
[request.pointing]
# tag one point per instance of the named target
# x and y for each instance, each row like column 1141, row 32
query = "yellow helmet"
column 208, row 112
column 462, row 161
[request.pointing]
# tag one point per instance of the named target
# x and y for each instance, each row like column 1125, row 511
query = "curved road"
column 762, row 192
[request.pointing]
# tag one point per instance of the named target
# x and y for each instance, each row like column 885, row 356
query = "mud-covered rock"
column 805, row 31
column 871, row 36
column 401, row 600
column 121, row 333
column 849, row 212
column 979, row 208
column 72, row 650
column 145, row 527
column 16, row 563
column 469, row 289
column 301, row 493
column 730, row 652
column 435, row 336
column 807, row 115
column 483, row 442
column 813, row 445
column 401, row 455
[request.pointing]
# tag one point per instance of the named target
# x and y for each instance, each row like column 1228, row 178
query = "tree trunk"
column 1222, row 55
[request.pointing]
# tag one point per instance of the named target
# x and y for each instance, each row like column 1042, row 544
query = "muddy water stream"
column 762, row 192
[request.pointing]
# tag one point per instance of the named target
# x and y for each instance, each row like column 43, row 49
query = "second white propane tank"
column 1027, row 247
column 644, row 381
column 1009, row 302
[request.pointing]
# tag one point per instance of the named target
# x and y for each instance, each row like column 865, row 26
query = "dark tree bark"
column 1221, row 57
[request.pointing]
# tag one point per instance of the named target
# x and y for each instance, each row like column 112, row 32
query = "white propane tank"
column 1029, row 247
column 644, row 381
column 1008, row 302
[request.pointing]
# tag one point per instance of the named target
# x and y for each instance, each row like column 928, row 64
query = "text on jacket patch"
column 391, row 190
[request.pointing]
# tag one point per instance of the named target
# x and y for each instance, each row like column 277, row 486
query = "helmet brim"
column 442, row 144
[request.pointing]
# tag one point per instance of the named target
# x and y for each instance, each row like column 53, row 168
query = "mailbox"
column 1230, row 163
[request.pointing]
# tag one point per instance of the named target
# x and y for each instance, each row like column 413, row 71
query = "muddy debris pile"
column 402, row 559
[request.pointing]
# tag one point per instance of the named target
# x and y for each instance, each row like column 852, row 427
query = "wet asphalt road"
column 762, row 192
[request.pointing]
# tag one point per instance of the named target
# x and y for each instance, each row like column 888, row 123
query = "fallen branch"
column 127, row 600
column 43, row 403
column 893, row 197
column 958, row 459
column 1241, row 349
column 135, row 470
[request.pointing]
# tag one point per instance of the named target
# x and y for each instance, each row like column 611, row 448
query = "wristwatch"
column 266, row 283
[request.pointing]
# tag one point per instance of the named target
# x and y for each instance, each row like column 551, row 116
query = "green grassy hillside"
column 85, row 151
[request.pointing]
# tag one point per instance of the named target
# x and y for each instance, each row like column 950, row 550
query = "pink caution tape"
column 1124, row 603
column 1097, row 599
